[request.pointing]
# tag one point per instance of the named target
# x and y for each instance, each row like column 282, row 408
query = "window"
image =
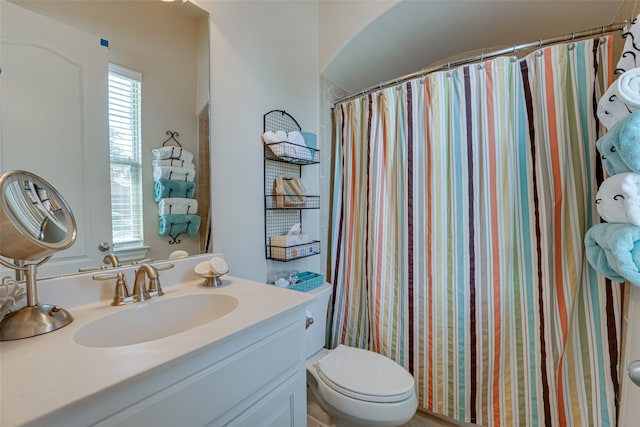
column 125, row 145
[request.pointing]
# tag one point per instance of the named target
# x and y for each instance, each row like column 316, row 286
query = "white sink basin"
column 155, row 319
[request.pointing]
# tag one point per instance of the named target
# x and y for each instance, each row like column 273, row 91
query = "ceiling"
column 414, row 34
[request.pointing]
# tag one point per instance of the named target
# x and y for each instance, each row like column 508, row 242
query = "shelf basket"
column 289, row 253
column 307, row 281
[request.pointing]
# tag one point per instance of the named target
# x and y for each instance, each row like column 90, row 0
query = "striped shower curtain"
column 459, row 205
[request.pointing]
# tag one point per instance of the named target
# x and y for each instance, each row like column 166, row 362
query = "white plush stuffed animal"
column 618, row 198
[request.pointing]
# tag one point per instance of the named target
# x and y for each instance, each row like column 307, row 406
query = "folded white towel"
column 177, row 205
column 173, row 162
column 630, row 57
column 296, row 137
column 270, row 137
column 173, row 173
column 618, row 198
column 281, row 135
column 286, row 149
column 171, row 152
column 621, row 99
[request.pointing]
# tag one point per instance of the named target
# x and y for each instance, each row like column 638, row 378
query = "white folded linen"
column 295, row 137
column 172, row 152
column 618, row 198
column 270, row 137
column 173, row 162
column 177, row 205
column 173, row 173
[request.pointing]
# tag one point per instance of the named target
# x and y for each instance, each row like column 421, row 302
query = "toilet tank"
column 317, row 310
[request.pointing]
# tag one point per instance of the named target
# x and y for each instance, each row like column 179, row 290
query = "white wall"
column 264, row 56
column 340, row 21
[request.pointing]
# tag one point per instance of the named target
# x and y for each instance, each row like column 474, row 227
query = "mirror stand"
column 34, row 319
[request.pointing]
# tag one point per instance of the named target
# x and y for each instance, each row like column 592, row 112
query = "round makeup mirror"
column 35, row 223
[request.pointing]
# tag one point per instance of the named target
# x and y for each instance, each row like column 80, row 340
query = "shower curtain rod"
column 516, row 48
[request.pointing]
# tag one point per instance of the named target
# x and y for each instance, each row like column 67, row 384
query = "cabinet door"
column 53, row 112
column 285, row 406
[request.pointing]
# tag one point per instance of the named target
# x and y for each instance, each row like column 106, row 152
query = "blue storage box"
column 307, row 281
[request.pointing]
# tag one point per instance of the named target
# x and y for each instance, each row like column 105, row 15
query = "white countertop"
column 30, row 369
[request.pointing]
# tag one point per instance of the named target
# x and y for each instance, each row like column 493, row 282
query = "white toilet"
column 354, row 387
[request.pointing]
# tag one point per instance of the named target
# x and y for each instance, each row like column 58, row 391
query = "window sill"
column 131, row 253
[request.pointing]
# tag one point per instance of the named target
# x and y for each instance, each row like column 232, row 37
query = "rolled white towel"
column 173, row 173
column 177, row 205
column 172, row 152
column 618, row 198
column 629, row 88
column 178, row 163
column 281, row 135
column 296, row 137
column 612, row 107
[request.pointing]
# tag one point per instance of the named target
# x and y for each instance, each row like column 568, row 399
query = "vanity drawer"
column 224, row 389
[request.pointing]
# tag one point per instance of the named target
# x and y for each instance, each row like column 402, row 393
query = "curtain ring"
column 539, row 42
column 449, row 66
column 573, row 35
column 603, row 29
column 482, row 56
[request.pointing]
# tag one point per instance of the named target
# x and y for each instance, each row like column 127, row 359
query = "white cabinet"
column 256, row 378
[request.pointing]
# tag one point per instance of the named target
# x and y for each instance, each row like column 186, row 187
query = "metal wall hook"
column 172, row 138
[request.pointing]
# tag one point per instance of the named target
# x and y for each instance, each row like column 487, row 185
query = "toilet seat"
column 365, row 375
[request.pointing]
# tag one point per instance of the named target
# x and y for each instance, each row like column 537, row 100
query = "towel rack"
column 173, row 138
column 279, row 218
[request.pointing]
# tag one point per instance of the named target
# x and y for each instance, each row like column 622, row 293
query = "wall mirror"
column 54, row 108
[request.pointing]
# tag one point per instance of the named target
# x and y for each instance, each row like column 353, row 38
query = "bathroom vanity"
column 245, row 367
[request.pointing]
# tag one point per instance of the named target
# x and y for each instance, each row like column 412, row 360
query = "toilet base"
column 330, row 418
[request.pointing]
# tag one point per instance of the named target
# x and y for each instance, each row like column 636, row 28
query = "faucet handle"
column 165, row 267
column 120, row 292
column 85, row 269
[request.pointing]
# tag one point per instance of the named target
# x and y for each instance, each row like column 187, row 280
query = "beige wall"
column 629, row 10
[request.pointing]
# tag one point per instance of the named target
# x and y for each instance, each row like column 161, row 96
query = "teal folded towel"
column 620, row 147
column 165, row 188
column 630, row 141
column 613, row 250
column 176, row 224
column 310, row 139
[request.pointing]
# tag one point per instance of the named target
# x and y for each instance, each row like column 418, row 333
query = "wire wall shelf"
column 284, row 160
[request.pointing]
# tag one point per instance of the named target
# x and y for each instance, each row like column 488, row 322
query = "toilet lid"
column 365, row 375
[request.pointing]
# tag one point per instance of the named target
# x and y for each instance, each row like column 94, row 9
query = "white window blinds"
column 126, row 156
